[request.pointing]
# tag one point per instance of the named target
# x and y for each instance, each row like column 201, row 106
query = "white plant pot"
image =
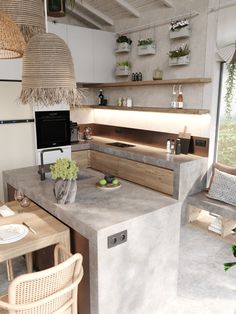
column 123, row 47
column 185, row 60
column 122, row 70
column 147, row 50
column 183, row 32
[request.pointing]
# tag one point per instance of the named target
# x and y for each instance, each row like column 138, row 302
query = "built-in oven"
column 52, row 128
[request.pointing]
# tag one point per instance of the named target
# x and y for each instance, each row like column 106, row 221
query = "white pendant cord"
column 46, row 15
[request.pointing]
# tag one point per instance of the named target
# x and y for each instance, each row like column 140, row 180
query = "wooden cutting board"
column 184, row 134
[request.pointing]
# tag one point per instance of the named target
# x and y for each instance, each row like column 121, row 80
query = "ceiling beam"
column 128, row 7
column 95, row 12
column 84, row 17
column 168, row 3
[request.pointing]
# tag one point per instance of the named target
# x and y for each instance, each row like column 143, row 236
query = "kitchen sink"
column 120, row 144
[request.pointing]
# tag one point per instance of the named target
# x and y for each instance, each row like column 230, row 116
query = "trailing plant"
column 230, row 85
column 123, row 39
column 176, row 25
column 145, row 42
column 64, row 168
column 233, row 247
column 124, row 63
column 180, row 52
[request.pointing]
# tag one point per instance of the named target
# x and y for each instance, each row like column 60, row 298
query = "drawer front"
column 104, row 162
column 82, row 158
column 157, row 178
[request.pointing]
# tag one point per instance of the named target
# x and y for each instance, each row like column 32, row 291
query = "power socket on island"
column 116, row 239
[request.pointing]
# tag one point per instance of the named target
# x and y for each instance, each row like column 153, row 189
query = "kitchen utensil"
column 184, row 140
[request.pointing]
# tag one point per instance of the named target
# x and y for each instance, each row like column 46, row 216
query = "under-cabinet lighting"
column 198, row 125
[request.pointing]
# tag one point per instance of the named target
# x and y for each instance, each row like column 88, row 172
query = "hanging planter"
column 123, row 68
column 179, row 56
column 179, row 29
column 146, row 47
column 123, row 44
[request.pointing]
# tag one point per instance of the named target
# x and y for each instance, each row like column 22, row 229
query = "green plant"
column 124, row 63
column 230, row 85
column 123, row 39
column 65, row 169
column 145, row 42
column 181, row 52
column 176, row 25
column 233, row 247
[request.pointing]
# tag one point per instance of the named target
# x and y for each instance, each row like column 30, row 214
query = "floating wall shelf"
column 151, row 109
column 197, row 80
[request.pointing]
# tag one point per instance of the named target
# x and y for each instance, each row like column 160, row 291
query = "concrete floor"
column 203, row 286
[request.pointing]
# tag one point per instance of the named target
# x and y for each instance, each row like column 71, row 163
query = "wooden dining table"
column 44, row 230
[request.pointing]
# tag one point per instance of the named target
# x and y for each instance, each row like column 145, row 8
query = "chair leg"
column 29, row 262
column 10, row 274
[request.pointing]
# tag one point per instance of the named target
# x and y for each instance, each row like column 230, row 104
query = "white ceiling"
column 102, row 14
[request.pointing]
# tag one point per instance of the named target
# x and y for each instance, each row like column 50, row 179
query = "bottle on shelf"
column 100, row 97
column 172, row 147
column 180, row 98
column 178, row 147
column 168, row 146
column 140, row 76
column 173, row 98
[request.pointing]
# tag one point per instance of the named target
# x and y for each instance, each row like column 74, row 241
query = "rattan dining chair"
column 49, row 291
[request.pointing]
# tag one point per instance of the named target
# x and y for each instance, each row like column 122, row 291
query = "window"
column 226, row 141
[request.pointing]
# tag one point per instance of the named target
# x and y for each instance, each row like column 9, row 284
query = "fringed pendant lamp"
column 48, row 72
column 12, row 43
column 27, row 14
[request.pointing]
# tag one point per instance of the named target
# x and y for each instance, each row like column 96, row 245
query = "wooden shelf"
column 151, row 109
column 196, row 80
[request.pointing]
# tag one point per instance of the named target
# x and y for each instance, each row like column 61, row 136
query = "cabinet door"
column 81, row 47
column 157, row 178
column 11, row 69
column 82, row 158
column 104, row 162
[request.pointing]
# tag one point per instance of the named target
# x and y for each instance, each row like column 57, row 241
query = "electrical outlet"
column 200, row 143
column 117, row 238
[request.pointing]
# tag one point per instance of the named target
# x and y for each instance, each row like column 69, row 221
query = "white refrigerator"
column 17, row 139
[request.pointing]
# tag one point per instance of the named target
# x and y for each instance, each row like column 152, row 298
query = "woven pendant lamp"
column 48, row 72
column 27, row 14
column 12, row 43
column 233, row 60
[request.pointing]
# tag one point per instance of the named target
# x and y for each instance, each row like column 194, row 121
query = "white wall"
column 16, row 140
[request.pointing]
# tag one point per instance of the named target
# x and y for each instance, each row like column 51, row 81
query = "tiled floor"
column 203, row 286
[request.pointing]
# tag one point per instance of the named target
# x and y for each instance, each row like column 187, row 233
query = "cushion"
column 223, row 187
column 222, row 168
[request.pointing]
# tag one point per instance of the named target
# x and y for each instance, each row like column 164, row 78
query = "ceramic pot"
column 65, row 191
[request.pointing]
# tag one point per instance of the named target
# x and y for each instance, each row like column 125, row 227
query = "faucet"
column 42, row 171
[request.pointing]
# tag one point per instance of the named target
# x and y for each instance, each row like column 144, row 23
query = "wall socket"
column 117, row 238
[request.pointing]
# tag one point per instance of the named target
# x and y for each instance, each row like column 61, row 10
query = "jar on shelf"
column 157, row 74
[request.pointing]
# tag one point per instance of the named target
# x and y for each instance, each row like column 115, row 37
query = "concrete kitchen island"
column 136, row 277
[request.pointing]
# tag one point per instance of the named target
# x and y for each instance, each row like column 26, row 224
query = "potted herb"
column 65, row 172
column 123, row 44
column 146, row 47
column 179, row 29
column 123, row 68
column 179, row 56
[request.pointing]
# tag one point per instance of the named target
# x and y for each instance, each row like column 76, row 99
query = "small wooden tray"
column 108, row 186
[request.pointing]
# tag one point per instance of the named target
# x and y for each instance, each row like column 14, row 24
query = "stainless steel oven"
column 52, row 128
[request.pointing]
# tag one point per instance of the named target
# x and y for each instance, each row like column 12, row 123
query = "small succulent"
column 180, row 52
column 64, row 169
column 144, row 42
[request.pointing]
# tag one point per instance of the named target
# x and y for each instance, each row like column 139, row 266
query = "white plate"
column 12, row 233
column 108, row 187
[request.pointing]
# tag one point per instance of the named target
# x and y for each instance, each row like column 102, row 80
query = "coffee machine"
column 74, row 130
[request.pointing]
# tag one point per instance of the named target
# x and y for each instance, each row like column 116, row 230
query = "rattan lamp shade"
column 11, row 40
column 48, row 72
column 27, row 14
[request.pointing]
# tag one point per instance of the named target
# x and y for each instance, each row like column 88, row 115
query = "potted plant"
column 146, row 47
column 123, row 68
column 179, row 29
column 57, row 8
column 65, row 172
column 179, row 56
column 123, row 44
column 233, row 247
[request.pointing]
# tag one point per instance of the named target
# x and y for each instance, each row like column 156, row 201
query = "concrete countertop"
column 94, row 209
column 142, row 153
